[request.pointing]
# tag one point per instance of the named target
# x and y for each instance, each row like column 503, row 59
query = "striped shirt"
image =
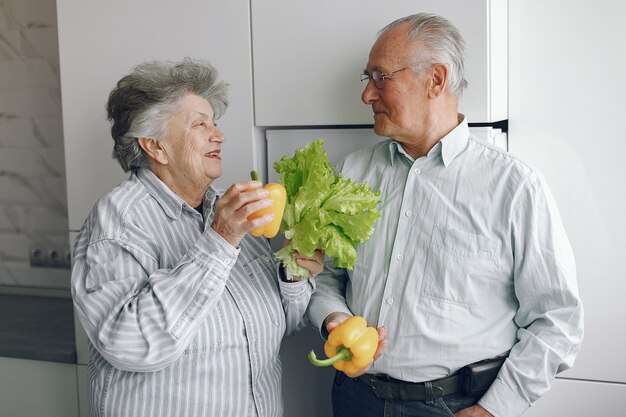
column 180, row 323
column 468, row 261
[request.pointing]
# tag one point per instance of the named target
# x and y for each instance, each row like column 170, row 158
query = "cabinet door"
column 308, row 57
column 100, row 41
column 35, row 388
column 82, row 381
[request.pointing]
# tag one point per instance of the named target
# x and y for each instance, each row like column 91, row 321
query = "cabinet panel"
column 306, row 388
column 100, row 41
column 81, row 380
column 35, row 388
column 308, row 57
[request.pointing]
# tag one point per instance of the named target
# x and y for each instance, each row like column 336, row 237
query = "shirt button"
column 417, row 171
column 408, row 213
column 226, row 261
column 400, row 257
column 390, row 301
column 267, row 259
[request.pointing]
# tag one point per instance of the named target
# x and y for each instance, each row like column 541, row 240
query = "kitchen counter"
column 38, row 328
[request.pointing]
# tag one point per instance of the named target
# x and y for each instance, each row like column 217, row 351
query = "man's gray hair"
column 441, row 41
column 143, row 102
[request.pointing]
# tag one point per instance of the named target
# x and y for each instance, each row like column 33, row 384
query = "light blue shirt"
column 468, row 261
column 180, row 323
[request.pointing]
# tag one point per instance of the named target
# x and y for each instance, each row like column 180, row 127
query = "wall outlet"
column 42, row 256
column 38, row 256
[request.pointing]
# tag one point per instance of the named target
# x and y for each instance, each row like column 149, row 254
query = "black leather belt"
column 392, row 389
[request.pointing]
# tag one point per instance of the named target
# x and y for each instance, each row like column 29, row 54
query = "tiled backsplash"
column 33, row 201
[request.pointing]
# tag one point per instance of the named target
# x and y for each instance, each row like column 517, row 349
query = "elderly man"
column 469, row 269
column 184, row 309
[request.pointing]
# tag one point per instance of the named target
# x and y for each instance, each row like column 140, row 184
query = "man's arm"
column 550, row 313
column 329, row 296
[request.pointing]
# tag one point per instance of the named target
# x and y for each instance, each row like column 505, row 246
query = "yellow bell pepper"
column 279, row 195
column 350, row 346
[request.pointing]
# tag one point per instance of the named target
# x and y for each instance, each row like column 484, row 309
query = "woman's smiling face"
column 192, row 146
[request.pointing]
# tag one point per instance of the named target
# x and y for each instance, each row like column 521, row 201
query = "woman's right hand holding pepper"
column 236, row 205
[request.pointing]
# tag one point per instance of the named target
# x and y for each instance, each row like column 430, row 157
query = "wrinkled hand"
column 473, row 411
column 335, row 319
column 233, row 208
column 314, row 263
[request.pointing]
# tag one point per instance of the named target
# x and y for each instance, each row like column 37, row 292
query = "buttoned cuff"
column 319, row 309
column 502, row 401
column 293, row 290
column 213, row 251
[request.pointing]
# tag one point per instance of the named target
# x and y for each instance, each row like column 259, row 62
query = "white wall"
column 33, row 204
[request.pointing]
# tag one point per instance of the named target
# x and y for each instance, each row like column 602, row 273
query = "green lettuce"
column 324, row 210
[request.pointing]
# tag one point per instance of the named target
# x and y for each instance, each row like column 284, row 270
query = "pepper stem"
column 343, row 354
column 254, row 176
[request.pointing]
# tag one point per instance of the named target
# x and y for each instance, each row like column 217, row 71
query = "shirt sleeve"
column 550, row 313
column 141, row 321
column 295, row 297
column 329, row 296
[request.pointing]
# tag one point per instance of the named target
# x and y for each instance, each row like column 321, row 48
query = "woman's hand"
column 314, row 264
column 233, row 208
column 335, row 319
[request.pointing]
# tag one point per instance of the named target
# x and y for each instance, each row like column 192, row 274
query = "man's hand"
column 474, row 411
column 335, row 319
column 234, row 207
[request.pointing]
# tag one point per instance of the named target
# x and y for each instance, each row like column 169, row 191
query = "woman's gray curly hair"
column 143, row 102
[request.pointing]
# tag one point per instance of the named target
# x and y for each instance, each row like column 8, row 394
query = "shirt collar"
column 169, row 201
column 455, row 142
column 395, row 151
column 449, row 147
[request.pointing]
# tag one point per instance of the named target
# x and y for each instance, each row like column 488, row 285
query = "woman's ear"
column 438, row 80
column 153, row 148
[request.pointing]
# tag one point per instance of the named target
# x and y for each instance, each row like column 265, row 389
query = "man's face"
column 400, row 107
column 193, row 144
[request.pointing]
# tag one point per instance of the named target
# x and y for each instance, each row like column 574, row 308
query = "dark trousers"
column 354, row 398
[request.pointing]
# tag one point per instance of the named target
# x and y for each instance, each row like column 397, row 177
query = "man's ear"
column 438, row 80
column 154, row 149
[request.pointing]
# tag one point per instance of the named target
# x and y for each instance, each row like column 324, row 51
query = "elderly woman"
column 185, row 311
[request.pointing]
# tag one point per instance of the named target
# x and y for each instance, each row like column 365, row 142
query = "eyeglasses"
column 379, row 78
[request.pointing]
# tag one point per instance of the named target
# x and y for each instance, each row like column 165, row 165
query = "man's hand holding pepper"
column 335, row 319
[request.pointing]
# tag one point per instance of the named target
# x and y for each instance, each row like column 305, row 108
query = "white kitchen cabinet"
column 308, row 57
column 100, row 41
column 81, row 380
column 35, row 388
